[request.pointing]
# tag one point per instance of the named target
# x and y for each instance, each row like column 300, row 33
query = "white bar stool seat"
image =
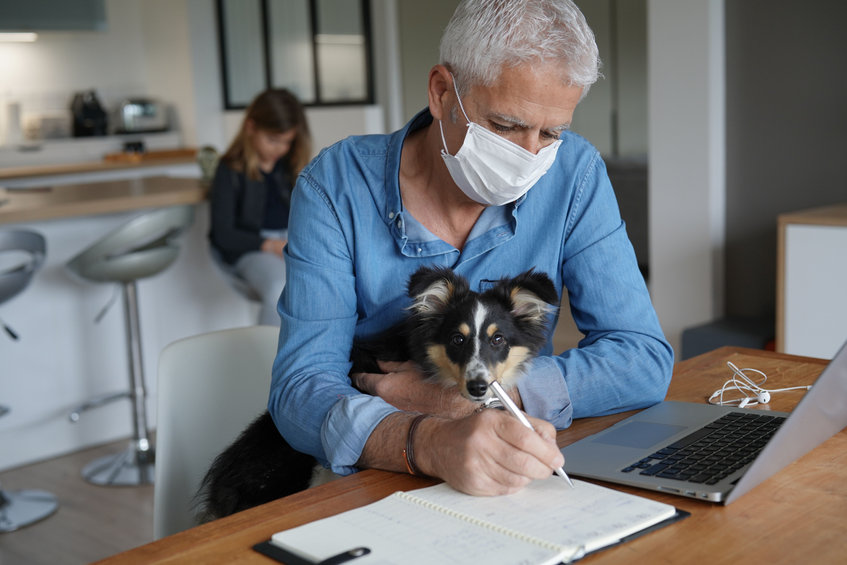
column 141, row 248
column 22, row 253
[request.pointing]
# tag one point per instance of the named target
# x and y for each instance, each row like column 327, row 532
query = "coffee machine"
column 89, row 117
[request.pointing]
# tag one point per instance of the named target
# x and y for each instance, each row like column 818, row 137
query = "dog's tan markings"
column 464, row 329
column 491, row 329
column 526, row 303
column 448, row 372
column 510, row 369
column 434, row 298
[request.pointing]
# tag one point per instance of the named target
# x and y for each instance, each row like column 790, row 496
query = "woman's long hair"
column 274, row 111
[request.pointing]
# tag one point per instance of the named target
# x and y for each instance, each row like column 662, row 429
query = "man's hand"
column 404, row 386
column 480, row 453
column 488, row 453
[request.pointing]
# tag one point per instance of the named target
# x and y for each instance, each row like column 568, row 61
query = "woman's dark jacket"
column 238, row 208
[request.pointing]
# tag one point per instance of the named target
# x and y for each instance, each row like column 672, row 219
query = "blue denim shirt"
column 351, row 249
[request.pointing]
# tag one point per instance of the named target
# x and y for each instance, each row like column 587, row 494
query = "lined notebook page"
column 546, row 522
column 398, row 531
column 588, row 515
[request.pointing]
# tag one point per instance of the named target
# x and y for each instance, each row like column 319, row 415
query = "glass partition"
column 318, row 49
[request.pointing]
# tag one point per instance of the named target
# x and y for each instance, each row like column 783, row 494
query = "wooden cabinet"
column 812, row 281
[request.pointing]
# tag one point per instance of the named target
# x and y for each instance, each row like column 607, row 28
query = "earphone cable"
column 743, row 383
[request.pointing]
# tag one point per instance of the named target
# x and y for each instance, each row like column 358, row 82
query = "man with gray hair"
column 489, row 182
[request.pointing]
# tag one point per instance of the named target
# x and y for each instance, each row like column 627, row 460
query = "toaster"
column 137, row 115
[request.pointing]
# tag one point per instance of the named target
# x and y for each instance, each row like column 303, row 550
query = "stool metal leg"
column 75, row 414
column 133, row 466
column 23, row 507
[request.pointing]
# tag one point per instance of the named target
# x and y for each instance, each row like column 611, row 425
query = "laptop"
column 658, row 448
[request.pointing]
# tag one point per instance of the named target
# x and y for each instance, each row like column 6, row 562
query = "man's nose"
column 531, row 141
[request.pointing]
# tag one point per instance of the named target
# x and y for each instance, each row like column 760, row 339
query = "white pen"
column 516, row 412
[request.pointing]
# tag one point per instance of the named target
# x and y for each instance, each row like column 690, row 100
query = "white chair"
column 210, row 387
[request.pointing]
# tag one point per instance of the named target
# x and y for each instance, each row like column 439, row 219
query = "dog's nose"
column 477, row 388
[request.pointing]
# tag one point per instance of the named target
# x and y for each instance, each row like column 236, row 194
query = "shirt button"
column 391, row 215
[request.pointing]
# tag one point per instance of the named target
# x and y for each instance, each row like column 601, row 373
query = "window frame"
column 267, row 55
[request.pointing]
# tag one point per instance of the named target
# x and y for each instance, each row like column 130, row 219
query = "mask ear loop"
column 461, row 107
column 443, row 140
column 459, row 98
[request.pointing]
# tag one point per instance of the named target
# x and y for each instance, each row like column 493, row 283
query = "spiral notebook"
column 546, row 522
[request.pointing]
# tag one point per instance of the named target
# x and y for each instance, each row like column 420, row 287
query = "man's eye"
column 500, row 128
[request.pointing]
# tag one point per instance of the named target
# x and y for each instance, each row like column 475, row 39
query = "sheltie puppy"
column 457, row 336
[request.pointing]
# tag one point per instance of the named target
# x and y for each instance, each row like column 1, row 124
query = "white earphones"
column 763, row 397
column 752, row 392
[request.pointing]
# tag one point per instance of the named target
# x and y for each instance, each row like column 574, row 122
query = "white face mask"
column 492, row 170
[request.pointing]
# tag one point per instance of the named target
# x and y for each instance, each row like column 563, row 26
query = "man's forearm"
column 384, row 448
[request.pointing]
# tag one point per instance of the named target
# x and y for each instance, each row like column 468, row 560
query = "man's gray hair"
column 485, row 36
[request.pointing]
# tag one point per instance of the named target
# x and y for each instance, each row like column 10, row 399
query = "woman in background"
column 251, row 191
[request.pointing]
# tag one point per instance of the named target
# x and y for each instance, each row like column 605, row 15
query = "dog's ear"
column 432, row 288
column 533, row 295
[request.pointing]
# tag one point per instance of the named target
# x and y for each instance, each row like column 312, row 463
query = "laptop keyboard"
column 714, row 451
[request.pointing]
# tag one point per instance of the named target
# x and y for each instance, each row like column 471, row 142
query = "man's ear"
column 439, row 87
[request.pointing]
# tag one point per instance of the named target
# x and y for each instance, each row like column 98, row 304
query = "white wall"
column 687, row 170
column 167, row 54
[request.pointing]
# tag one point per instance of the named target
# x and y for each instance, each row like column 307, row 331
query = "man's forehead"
column 527, row 98
column 517, row 121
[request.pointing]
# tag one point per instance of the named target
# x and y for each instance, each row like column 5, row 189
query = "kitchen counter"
column 111, row 163
column 84, row 199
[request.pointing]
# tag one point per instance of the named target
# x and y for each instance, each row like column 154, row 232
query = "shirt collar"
column 413, row 239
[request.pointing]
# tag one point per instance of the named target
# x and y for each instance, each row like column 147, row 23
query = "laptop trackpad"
column 638, row 434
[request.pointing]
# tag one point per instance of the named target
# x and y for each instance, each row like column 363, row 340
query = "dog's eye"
column 497, row 340
column 457, row 339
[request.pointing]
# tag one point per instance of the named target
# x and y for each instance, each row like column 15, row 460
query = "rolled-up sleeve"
column 312, row 400
column 545, row 393
column 624, row 361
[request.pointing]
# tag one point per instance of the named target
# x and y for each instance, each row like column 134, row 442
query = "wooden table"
column 797, row 516
column 102, row 197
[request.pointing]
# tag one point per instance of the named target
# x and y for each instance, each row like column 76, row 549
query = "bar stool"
column 21, row 255
column 143, row 247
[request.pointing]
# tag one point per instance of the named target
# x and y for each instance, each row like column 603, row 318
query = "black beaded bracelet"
column 409, row 452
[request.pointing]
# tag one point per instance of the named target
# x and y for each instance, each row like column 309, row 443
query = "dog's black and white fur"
column 459, row 337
